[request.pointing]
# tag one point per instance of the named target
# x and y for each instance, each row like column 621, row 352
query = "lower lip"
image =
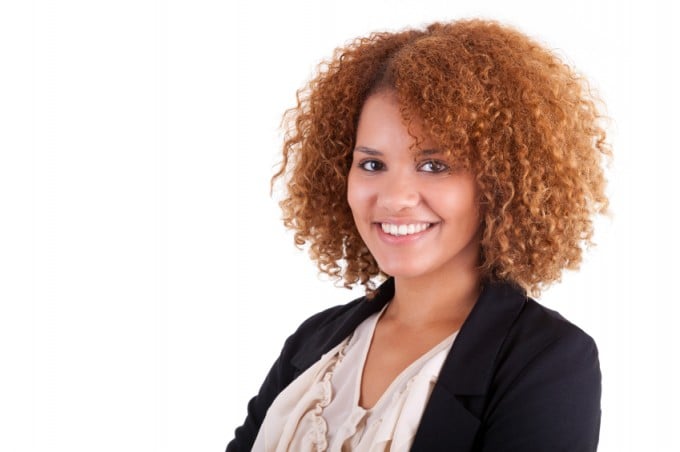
column 401, row 239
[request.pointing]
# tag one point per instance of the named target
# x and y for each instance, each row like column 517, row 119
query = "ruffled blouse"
column 320, row 411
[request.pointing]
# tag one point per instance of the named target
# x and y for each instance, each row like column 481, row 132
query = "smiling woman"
column 453, row 171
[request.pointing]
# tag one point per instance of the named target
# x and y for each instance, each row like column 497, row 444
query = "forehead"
column 381, row 126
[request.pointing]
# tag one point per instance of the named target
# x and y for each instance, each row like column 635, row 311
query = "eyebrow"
column 365, row 150
column 375, row 152
column 428, row 152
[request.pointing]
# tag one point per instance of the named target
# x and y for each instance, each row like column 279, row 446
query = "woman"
column 461, row 166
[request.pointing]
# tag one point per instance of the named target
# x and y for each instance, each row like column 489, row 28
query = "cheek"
column 358, row 193
column 462, row 203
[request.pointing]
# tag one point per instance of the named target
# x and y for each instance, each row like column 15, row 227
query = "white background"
column 146, row 282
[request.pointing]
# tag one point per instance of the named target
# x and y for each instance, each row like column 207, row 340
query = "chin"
column 400, row 270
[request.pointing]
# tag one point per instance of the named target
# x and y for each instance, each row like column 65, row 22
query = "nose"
column 397, row 193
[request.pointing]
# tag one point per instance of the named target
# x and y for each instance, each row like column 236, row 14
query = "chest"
column 390, row 353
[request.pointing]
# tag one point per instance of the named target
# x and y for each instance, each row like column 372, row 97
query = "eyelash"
column 442, row 167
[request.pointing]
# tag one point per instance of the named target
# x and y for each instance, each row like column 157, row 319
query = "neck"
column 436, row 299
column 440, row 298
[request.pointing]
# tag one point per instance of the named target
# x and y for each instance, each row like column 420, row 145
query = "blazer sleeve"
column 553, row 402
column 279, row 376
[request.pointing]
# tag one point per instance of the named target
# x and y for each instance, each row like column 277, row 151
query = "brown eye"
column 433, row 166
column 371, row 165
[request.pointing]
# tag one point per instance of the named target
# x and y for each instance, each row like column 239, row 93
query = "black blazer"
column 519, row 377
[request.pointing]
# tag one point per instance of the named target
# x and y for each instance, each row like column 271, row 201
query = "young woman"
column 453, row 171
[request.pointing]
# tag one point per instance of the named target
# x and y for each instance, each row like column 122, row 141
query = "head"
column 497, row 107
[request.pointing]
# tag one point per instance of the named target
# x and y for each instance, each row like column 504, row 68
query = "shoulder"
column 546, row 388
column 543, row 343
column 539, row 331
column 508, row 333
column 314, row 333
column 327, row 318
column 324, row 330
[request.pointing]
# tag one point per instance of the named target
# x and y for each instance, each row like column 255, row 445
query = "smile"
column 404, row 229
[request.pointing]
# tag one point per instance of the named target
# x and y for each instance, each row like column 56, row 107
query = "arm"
column 553, row 403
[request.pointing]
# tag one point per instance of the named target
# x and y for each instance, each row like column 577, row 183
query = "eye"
column 433, row 166
column 371, row 165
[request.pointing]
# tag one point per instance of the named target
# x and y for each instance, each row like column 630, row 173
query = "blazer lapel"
column 452, row 416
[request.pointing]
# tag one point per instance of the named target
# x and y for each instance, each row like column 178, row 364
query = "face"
column 418, row 217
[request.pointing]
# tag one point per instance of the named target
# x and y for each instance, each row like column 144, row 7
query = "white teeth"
column 403, row 229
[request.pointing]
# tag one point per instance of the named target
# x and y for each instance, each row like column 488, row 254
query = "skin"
column 436, row 277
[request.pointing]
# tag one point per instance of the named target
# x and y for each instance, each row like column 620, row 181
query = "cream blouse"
column 320, row 411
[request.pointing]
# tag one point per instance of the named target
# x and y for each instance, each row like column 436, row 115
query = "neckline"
column 373, row 322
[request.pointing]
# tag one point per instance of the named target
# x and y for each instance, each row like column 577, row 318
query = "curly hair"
column 498, row 103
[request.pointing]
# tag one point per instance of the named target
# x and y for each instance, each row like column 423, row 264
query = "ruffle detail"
column 317, row 437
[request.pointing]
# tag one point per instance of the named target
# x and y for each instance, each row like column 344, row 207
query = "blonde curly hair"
column 498, row 103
